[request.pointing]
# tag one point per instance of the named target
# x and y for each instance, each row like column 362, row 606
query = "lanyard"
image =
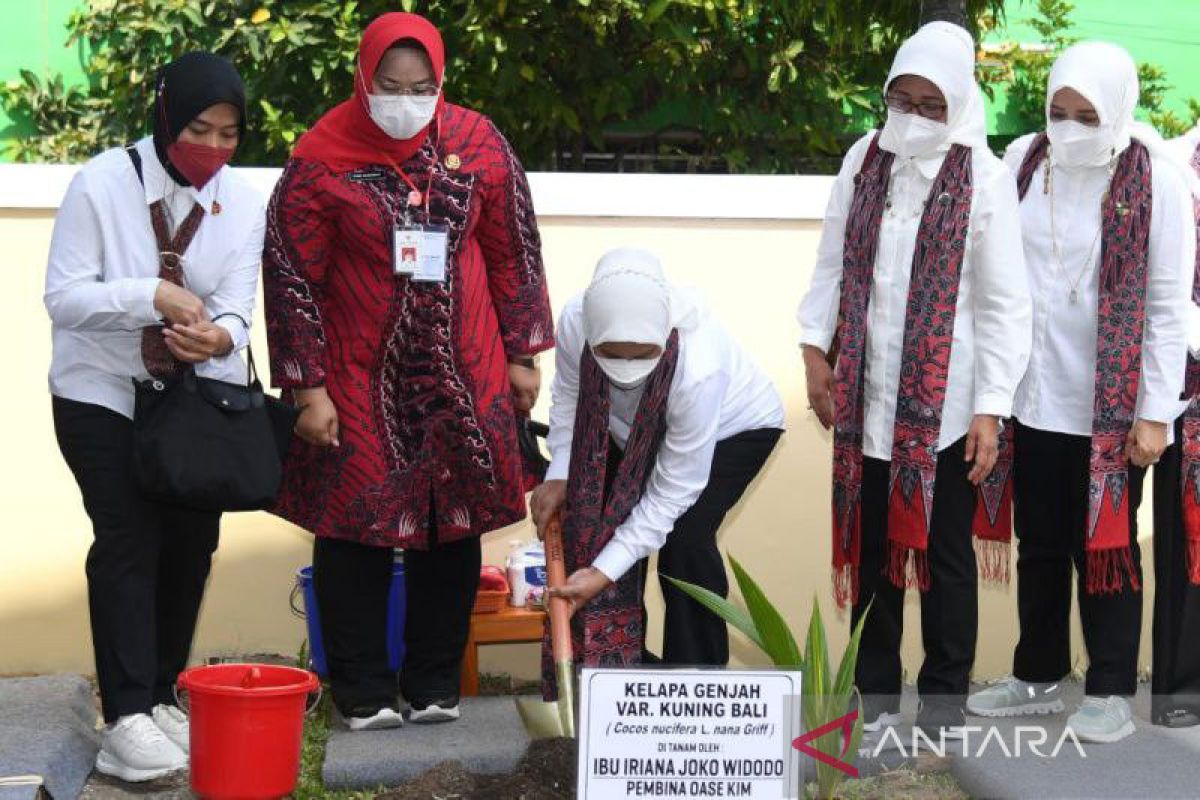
column 415, row 196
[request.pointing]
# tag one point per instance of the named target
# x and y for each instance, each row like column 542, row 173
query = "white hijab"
column 631, row 300
column 944, row 54
column 1106, row 76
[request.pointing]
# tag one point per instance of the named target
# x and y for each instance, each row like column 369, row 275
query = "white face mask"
column 627, row 373
column 1073, row 144
column 909, row 135
column 402, row 116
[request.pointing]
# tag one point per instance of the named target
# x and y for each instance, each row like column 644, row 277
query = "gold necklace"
column 1055, row 249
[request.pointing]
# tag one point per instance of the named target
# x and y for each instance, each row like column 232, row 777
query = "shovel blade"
column 541, row 719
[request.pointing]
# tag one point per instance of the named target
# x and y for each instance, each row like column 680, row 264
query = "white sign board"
column 668, row 733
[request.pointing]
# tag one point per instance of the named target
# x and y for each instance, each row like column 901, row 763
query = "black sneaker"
column 1177, row 718
column 441, row 710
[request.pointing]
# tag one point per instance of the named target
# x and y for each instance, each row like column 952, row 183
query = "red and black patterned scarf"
column 610, row 629
column 1191, row 427
column 925, row 363
column 1124, row 260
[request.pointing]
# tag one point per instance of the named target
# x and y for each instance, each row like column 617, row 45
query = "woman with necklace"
column 1109, row 244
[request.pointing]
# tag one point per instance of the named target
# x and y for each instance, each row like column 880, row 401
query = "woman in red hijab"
column 405, row 302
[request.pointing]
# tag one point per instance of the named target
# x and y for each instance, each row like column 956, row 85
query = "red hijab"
column 346, row 138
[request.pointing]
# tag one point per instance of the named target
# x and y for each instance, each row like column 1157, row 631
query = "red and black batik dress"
column 417, row 371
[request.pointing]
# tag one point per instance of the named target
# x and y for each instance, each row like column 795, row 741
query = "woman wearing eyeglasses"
column 918, row 284
column 405, row 302
column 1110, row 246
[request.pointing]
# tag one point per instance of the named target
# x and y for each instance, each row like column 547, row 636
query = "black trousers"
column 146, row 568
column 950, row 607
column 1176, row 678
column 1051, row 505
column 693, row 635
column 351, row 582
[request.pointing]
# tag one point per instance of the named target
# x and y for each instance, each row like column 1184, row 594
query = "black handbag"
column 208, row 444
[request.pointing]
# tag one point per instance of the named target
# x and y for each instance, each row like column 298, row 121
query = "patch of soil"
column 176, row 786
column 547, row 772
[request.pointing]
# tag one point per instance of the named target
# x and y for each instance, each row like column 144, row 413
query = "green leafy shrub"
column 738, row 85
column 826, row 695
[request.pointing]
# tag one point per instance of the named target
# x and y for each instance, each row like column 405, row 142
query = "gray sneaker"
column 1102, row 720
column 1013, row 697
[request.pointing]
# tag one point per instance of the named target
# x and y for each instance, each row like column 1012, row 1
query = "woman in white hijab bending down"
column 659, row 422
column 1109, row 244
column 919, row 284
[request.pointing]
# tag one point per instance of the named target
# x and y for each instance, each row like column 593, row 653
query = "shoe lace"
column 1104, row 705
column 174, row 714
column 145, row 730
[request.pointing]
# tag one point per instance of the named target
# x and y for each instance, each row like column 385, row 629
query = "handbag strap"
column 251, row 368
column 136, row 158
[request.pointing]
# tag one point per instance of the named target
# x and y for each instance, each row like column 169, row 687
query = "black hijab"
column 187, row 86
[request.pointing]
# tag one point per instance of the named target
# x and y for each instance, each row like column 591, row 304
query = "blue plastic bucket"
column 310, row 613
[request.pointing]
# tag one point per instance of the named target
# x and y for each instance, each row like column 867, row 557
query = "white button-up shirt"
column 992, row 320
column 103, row 272
column 1058, row 391
column 717, row 392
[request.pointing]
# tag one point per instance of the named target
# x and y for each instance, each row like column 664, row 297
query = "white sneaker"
column 174, row 723
column 1013, row 697
column 437, row 711
column 134, row 749
column 1102, row 720
column 382, row 719
column 885, row 719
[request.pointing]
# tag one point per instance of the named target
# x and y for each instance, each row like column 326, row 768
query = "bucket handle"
column 316, row 694
column 293, row 599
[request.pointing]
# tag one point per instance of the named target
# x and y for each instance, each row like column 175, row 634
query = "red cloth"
column 925, row 359
column 347, row 138
column 418, row 371
column 1191, row 426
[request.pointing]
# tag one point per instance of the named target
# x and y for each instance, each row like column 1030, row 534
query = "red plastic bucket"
column 247, row 723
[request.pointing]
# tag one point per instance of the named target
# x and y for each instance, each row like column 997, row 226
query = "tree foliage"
column 1023, row 73
column 759, row 85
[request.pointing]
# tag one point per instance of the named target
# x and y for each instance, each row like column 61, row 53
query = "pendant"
column 414, row 198
column 1074, row 296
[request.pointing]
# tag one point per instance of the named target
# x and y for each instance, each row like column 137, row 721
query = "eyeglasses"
column 930, row 109
column 420, row 90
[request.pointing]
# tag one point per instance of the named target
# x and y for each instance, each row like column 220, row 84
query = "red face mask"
column 198, row 162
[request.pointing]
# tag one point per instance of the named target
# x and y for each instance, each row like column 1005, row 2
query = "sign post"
column 677, row 733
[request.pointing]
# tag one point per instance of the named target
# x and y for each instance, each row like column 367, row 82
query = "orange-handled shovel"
column 547, row 720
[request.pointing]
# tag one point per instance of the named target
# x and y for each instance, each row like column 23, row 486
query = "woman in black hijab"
column 153, row 268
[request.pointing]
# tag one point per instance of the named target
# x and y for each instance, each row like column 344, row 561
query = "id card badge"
column 406, row 250
column 432, row 253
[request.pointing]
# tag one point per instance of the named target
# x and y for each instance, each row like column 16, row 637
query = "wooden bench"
column 509, row 626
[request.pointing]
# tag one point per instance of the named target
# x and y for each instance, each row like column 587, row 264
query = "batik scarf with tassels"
column 1191, row 427
column 610, row 629
column 925, row 364
column 1124, row 271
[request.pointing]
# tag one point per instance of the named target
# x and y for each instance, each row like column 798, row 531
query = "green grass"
column 902, row 784
column 312, row 756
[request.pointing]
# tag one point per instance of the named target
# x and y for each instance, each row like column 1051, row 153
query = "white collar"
column 928, row 164
column 157, row 183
